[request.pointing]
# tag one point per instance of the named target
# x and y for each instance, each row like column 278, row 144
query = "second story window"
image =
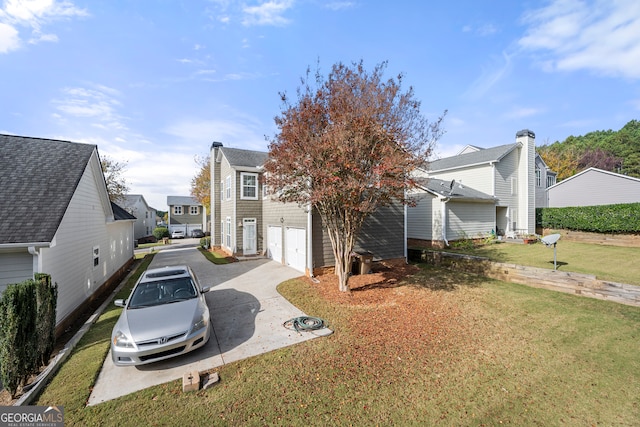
column 177, row 210
column 194, row 210
column 538, row 178
column 228, row 188
column 249, row 186
column 551, row 180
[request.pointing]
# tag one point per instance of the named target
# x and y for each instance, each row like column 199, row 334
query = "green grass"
column 617, row 264
column 501, row 354
column 214, row 257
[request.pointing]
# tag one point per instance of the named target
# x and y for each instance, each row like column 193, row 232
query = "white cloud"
column 239, row 132
column 97, row 103
column 602, row 36
column 9, row 38
column 339, row 5
column 267, row 13
column 34, row 14
column 491, row 75
column 520, row 113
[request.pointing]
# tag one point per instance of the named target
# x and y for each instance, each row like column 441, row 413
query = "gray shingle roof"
column 244, row 158
column 182, row 201
column 119, row 213
column 485, row 155
column 459, row 191
column 38, row 177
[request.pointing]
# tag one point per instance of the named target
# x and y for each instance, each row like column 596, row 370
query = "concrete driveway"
column 247, row 314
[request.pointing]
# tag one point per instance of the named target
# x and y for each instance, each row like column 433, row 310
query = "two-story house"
column 479, row 191
column 186, row 214
column 545, row 178
column 246, row 220
column 145, row 215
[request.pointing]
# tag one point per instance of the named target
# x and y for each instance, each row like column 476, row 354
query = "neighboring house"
column 545, row 178
column 56, row 218
column 145, row 215
column 186, row 214
column 246, row 220
column 593, row 187
column 491, row 190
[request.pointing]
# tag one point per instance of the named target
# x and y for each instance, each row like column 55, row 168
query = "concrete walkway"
column 247, row 314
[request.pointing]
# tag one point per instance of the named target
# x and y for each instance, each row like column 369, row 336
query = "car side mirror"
column 205, row 289
column 120, row 303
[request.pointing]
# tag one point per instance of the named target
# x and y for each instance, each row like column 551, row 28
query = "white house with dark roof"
column 145, row 215
column 491, row 189
column 56, row 218
column 592, row 187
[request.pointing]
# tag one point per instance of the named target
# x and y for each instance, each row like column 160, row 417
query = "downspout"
column 309, row 241
column 36, row 258
column 444, row 220
column 406, row 234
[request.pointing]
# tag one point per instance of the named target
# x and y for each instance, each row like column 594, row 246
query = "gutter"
column 444, row 220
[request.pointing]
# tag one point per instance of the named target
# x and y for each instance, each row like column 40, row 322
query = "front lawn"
column 439, row 348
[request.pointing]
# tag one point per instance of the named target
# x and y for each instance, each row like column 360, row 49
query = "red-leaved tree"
column 347, row 146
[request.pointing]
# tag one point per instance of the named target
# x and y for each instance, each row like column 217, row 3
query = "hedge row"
column 27, row 336
column 621, row 219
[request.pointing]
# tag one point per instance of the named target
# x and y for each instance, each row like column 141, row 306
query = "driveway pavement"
column 247, row 314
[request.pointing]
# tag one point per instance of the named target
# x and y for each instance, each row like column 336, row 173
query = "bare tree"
column 347, row 146
column 113, row 174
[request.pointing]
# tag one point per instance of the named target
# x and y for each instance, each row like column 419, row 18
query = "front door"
column 249, row 236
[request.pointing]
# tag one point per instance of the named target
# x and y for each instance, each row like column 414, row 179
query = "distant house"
column 145, row 215
column 247, row 221
column 56, row 218
column 186, row 214
column 545, row 178
column 593, row 187
column 475, row 193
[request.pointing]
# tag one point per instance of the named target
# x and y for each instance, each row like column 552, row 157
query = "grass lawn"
column 617, row 264
column 437, row 349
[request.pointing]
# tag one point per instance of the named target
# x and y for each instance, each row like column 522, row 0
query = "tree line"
column 614, row 151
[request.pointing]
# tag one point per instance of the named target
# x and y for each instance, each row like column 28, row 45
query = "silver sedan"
column 166, row 315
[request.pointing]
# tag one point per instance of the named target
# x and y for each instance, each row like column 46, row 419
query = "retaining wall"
column 574, row 283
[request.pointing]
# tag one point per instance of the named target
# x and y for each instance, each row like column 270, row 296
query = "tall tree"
column 113, row 174
column 201, row 183
column 346, row 146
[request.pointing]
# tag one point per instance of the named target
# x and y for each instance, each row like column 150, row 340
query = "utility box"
column 365, row 259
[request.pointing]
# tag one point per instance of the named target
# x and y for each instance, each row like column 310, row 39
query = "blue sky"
column 153, row 83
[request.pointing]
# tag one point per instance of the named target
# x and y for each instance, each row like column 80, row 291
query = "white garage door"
column 274, row 237
column 295, row 248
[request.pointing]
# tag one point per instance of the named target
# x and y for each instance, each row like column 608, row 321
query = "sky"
column 153, row 83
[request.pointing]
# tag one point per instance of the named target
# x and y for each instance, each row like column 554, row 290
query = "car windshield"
column 150, row 294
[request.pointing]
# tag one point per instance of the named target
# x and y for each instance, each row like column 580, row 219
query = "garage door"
column 295, row 252
column 274, row 239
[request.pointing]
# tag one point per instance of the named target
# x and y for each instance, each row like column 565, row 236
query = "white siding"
column 477, row 177
column 15, row 267
column 469, row 220
column 420, row 218
column 70, row 260
column 594, row 187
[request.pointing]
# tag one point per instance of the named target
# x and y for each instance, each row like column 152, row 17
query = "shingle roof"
column 485, row 155
column 244, row 158
column 120, row 214
column 182, row 201
column 459, row 191
column 38, row 177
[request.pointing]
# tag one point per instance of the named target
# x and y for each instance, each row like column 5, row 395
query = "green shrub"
column 27, row 336
column 205, row 242
column 621, row 218
column 160, row 232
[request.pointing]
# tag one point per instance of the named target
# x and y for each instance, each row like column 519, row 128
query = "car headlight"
column 199, row 323
column 121, row 340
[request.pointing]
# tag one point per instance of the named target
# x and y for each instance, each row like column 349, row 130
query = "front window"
column 96, row 256
column 177, row 210
column 249, row 186
column 228, row 232
column 194, row 210
column 551, row 180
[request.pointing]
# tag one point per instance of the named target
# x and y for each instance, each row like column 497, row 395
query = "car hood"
column 162, row 320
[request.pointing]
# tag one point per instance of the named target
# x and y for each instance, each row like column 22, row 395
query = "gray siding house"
column 593, row 187
column 545, row 178
column 492, row 189
column 186, row 214
column 56, row 218
column 247, row 221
